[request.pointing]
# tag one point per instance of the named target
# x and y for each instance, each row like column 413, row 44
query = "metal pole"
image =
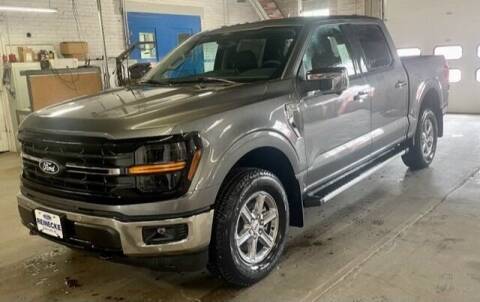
column 106, row 74
column 126, row 30
column 300, row 7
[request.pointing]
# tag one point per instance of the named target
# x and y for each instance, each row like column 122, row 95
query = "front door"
column 336, row 127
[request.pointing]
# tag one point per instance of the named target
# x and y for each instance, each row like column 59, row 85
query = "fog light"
column 164, row 234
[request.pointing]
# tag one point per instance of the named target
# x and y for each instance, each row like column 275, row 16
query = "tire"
column 239, row 199
column 420, row 156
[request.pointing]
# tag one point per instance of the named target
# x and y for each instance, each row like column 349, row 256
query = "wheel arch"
column 427, row 94
column 266, row 150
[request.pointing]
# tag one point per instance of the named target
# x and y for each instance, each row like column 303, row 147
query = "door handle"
column 401, row 84
column 361, row 96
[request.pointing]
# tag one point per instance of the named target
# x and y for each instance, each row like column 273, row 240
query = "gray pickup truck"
column 223, row 145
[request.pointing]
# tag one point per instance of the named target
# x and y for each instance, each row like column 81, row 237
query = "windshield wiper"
column 188, row 80
column 153, row 82
column 202, row 80
column 213, row 79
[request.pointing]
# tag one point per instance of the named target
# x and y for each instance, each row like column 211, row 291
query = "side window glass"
column 328, row 47
column 375, row 46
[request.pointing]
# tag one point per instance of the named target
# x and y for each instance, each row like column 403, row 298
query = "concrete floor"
column 398, row 236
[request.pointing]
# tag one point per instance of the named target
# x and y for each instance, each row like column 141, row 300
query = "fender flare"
column 420, row 95
column 248, row 143
column 263, row 139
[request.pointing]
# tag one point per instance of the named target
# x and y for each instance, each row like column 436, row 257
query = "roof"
column 291, row 21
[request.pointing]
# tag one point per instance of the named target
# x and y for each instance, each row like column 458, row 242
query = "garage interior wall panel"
column 427, row 24
column 337, row 7
column 55, row 28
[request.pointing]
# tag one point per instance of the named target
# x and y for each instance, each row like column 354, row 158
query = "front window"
column 238, row 56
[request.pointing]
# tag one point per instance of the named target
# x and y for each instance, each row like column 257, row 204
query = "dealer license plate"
column 49, row 224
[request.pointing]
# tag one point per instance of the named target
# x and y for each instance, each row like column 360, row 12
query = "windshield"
column 229, row 57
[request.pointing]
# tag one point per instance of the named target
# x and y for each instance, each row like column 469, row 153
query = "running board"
column 324, row 195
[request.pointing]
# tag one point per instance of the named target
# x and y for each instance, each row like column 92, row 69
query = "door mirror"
column 327, row 80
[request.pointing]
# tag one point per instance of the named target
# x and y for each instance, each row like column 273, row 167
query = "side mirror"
column 327, row 80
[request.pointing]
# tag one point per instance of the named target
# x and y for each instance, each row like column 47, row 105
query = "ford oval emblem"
column 49, row 166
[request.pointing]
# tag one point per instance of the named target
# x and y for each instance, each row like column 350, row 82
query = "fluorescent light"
column 27, row 9
column 316, row 12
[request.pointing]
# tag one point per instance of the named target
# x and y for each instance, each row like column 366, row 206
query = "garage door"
column 443, row 27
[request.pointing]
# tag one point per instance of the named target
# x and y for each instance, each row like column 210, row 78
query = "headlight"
column 167, row 166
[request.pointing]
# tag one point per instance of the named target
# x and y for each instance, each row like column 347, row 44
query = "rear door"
column 386, row 76
column 336, row 127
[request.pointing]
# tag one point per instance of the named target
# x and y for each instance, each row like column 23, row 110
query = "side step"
column 325, row 194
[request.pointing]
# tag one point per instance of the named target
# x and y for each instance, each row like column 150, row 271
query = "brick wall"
column 54, row 28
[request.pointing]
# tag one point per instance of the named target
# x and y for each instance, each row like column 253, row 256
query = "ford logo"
column 49, row 166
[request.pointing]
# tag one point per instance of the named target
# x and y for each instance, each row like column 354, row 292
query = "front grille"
column 91, row 168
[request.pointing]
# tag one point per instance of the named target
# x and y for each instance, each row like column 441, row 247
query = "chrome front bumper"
column 130, row 233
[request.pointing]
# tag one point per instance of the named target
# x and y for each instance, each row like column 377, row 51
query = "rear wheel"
column 250, row 226
column 422, row 152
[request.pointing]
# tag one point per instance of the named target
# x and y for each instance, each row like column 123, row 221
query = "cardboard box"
column 78, row 50
column 26, row 54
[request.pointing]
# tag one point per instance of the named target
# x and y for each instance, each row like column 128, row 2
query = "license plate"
column 49, row 224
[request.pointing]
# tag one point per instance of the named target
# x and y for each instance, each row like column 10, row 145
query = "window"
column 147, row 51
column 316, row 13
column 478, row 75
column 409, row 52
column 328, row 48
column 455, row 75
column 449, row 52
column 245, row 56
column 375, row 46
column 478, row 51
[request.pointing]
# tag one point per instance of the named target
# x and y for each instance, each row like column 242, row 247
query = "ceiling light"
column 27, row 9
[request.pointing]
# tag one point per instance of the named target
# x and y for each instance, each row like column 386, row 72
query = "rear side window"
column 375, row 46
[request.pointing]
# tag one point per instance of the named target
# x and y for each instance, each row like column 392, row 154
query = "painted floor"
column 397, row 236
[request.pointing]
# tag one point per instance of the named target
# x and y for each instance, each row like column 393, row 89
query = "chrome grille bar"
column 72, row 168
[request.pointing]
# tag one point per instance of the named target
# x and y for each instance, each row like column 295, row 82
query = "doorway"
column 166, row 31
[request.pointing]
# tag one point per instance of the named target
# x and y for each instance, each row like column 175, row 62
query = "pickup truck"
column 222, row 146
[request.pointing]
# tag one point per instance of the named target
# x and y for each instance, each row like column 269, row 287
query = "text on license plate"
column 49, row 224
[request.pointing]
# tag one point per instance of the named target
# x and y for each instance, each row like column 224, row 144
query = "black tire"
column 416, row 158
column 225, row 260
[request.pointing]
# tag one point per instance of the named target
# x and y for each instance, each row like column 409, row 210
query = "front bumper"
column 124, row 237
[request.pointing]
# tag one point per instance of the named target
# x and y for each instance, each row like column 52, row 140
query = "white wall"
column 54, row 28
column 429, row 23
column 337, row 7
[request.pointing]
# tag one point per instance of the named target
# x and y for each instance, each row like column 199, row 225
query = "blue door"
column 165, row 31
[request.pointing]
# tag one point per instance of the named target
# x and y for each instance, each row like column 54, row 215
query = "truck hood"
column 141, row 111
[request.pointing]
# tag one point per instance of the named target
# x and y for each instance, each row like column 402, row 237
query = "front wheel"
column 422, row 152
column 250, row 227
